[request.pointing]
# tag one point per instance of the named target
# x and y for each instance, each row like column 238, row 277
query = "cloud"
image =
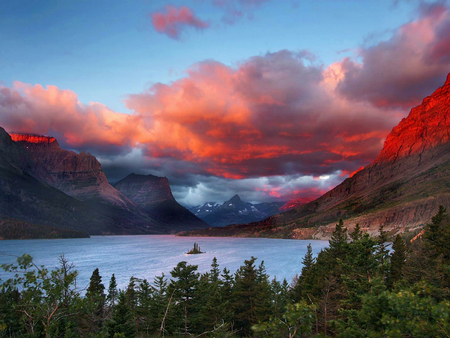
column 274, row 114
column 401, row 71
column 175, row 20
column 236, row 9
column 261, row 189
column 275, row 126
column 36, row 109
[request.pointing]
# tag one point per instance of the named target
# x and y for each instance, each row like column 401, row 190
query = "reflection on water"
column 149, row 256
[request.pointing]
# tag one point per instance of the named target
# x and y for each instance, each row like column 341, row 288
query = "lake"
column 148, row 256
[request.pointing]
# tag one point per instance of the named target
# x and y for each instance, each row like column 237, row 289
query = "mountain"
column 43, row 184
column 234, row 211
column 400, row 190
column 203, row 210
column 153, row 194
column 24, row 197
column 77, row 175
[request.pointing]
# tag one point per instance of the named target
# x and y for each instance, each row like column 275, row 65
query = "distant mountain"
column 235, row 211
column 400, row 190
column 153, row 194
column 41, row 183
column 203, row 210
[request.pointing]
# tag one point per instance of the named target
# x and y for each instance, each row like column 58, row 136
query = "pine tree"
column 398, row 258
column 184, row 289
column 215, row 271
column 96, row 298
column 244, row 294
column 112, row 291
column 305, row 281
column 159, row 302
column 131, row 293
column 339, row 240
column 437, row 235
column 143, row 308
column 308, row 260
column 122, row 319
column 357, row 233
column 382, row 253
column 96, row 288
column 263, row 299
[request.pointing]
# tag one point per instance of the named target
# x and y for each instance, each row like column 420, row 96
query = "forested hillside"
column 356, row 287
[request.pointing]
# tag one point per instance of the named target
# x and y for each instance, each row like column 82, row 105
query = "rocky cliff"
column 77, row 175
column 24, row 197
column 153, row 194
column 401, row 189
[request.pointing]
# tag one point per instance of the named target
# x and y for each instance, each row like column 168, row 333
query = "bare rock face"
column 401, row 190
column 153, row 194
column 427, row 126
column 77, row 175
column 145, row 191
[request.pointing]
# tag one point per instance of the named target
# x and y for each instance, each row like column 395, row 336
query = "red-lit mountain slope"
column 400, row 190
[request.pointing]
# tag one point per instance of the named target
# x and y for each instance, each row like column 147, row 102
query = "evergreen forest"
column 359, row 286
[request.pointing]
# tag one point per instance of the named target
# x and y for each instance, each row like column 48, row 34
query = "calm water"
column 149, row 256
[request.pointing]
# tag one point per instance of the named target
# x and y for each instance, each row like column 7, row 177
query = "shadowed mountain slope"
column 25, row 197
column 153, row 194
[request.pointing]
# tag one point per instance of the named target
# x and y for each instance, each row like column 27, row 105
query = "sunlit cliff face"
column 32, row 138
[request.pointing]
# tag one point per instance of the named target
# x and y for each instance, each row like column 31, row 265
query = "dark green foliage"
column 244, row 296
column 398, row 258
column 353, row 288
column 357, row 233
column 96, row 298
column 195, row 250
column 184, row 288
column 112, row 291
column 121, row 324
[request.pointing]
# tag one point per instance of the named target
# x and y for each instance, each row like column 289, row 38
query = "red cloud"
column 175, row 20
column 35, row 109
column 401, row 71
column 272, row 115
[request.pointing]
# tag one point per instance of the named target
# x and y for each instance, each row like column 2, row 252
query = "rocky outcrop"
column 77, row 175
column 26, row 198
column 400, row 190
column 145, row 190
column 427, row 126
column 153, row 195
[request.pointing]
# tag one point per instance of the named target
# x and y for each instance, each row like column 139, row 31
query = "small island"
column 195, row 251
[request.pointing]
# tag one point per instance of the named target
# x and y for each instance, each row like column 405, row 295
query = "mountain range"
column 41, row 183
column 400, row 190
column 235, row 211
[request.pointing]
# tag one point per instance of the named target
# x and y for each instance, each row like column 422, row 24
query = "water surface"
column 150, row 255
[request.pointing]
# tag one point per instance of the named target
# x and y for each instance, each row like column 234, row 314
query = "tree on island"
column 195, row 250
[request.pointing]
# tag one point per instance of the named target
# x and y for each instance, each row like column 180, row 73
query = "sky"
column 273, row 100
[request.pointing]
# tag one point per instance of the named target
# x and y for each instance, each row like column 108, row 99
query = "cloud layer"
column 401, row 71
column 276, row 126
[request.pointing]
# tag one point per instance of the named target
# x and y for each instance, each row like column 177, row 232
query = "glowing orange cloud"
column 274, row 114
